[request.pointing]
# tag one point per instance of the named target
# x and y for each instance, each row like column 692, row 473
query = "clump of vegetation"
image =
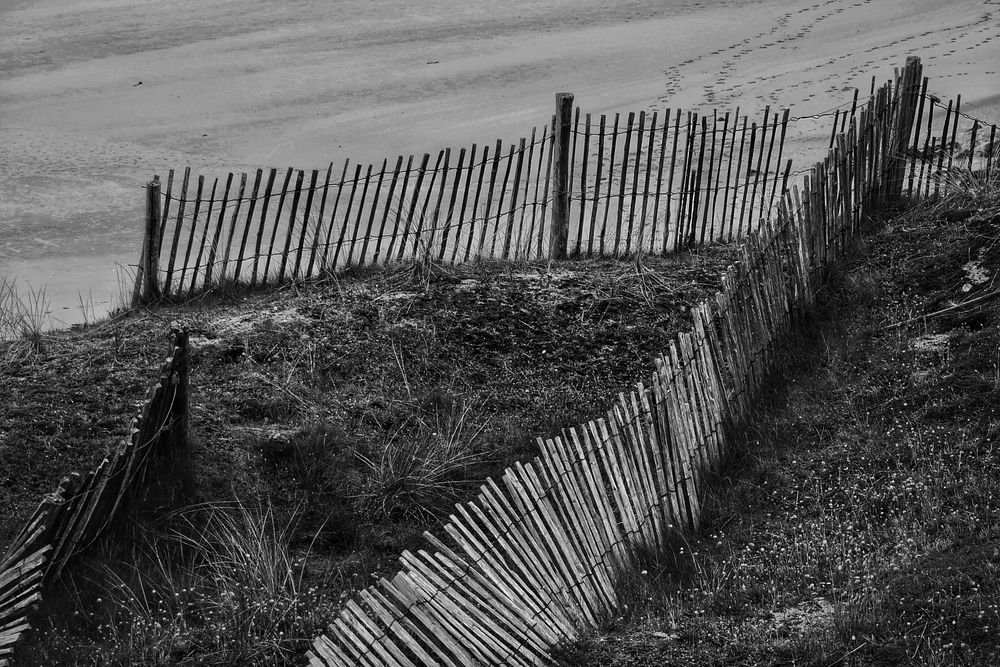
column 23, row 316
column 357, row 410
column 858, row 522
column 221, row 587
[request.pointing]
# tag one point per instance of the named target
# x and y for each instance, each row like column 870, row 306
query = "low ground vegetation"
column 859, row 520
column 333, row 424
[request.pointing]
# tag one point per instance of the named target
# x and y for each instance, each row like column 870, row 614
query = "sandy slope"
column 239, row 84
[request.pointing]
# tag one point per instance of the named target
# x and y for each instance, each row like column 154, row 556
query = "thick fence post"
column 559, row 232
column 147, row 279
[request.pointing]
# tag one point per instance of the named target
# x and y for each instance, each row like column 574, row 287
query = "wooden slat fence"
column 661, row 182
column 948, row 146
column 77, row 514
column 639, row 183
column 530, row 561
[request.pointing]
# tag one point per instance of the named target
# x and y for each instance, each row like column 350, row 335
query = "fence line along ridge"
column 531, row 561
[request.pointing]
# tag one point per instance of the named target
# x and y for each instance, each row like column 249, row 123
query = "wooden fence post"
column 559, row 232
column 147, row 279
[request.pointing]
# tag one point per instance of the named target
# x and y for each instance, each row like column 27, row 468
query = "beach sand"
column 96, row 96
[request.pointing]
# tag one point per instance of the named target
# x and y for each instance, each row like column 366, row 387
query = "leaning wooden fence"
column 531, row 560
column 80, row 511
column 632, row 183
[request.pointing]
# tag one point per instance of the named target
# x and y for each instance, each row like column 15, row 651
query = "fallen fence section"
column 530, row 561
column 79, row 512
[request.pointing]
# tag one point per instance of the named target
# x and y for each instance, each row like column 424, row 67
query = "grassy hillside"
column 860, row 522
column 856, row 525
column 333, row 424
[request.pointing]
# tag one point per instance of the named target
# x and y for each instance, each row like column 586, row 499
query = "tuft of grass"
column 415, row 476
column 22, row 318
column 222, row 588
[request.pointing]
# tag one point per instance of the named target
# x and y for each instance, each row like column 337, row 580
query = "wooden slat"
column 178, row 227
column 241, row 257
column 565, row 571
column 639, row 135
column 558, row 469
column 347, row 220
column 734, row 183
column 623, row 184
column 507, row 531
column 720, row 186
column 418, row 240
column 315, row 245
column 512, row 608
column 304, row 232
column 755, row 218
column 191, row 235
column 166, row 206
column 275, row 227
column 596, row 199
column 220, row 223
column 258, row 243
column 462, row 208
column 399, row 627
column 436, row 216
column 670, row 183
column 414, row 201
column 703, row 200
column 350, row 258
column 475, row 207
column 748, row 173
column 584, row 162
column 500, row 200
column 664, row 133
column 646, row 186
column 386, row 210
column 683, row 213
column 545, row 196
column 232, row 227
column 449, row 221
column 292, row 215
column 513, row 198
column 523, row 244
column 766, row 173
column 371, row 217
column 446, row 648
column 400, row 209
column 611, row 176
column 536, row 205
column 489, row 198
column 204, row 237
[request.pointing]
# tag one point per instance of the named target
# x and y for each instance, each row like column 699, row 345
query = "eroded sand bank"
column 236, row 85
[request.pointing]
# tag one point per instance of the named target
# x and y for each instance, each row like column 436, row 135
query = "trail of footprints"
column 967, row 37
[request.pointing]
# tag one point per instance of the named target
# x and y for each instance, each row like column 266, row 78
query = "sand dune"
column 234, row 85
